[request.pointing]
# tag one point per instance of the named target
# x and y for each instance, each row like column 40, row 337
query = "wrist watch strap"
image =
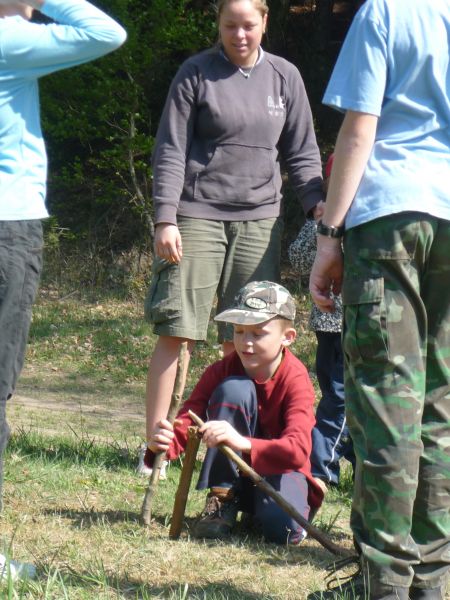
column 329, row 230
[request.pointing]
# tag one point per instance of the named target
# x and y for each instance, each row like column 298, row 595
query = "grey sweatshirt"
column 221, row 136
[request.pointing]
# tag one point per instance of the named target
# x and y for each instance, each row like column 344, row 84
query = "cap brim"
column 238, row 316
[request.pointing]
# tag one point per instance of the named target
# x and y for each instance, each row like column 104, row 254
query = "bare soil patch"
column 56, row 402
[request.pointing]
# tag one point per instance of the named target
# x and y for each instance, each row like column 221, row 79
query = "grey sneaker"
column 219, row 515
column 15, row 570
column 416, row 593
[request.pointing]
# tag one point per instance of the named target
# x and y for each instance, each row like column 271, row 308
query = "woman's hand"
column 221, row 432
column 168, row 243
column 162, row 436
column 318, row 210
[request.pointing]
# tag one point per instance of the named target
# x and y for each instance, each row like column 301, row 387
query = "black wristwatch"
column 329, row 230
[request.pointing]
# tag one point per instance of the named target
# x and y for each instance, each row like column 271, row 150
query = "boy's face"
column 259, row 346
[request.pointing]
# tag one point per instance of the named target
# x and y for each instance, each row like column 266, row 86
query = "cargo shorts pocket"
column 6, row 266
column 365, row 335
column 33, row 268
column 163, row 300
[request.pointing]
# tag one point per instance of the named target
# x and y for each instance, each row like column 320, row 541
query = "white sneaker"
column 15, row 570
column 321, row 483
column 142, row 468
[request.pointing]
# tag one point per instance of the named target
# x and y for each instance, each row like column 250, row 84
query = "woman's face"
column 241, row 28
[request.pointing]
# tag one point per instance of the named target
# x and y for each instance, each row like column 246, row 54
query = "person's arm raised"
column 81, row 32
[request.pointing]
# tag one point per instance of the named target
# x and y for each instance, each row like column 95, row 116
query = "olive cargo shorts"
column 219, row 257
column 396, row 340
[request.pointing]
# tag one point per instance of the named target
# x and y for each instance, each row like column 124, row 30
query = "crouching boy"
column 258, row 400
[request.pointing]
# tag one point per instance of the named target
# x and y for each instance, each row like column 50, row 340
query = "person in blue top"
column 389, row 197
column 80, row 33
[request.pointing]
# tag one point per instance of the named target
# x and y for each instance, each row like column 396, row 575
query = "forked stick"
column 184, row 484
column 146, row 511
column 313, row 531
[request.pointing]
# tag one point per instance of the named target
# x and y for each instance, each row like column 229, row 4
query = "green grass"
column 110, row 341
column 72, row 496
column 102, row 340
column 72, row 509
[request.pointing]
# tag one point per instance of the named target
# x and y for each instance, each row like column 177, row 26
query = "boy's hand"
column 162, row 436
column 221, row 432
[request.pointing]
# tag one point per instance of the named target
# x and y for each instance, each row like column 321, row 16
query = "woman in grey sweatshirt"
column 232, row 113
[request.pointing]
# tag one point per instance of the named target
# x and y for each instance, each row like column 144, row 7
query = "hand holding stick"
column 313, row 531
column 146, row 511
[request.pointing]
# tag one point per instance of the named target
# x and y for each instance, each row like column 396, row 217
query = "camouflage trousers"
column 396, row 340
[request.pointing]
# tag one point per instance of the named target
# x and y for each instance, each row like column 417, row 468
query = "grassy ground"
column 72, row 497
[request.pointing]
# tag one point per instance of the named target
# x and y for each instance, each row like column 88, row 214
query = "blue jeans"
column 20, row 267
column 330, row 437
column 235, row 401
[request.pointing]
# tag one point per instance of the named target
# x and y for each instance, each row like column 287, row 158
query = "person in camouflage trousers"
column 388, row 197
column 396, row 293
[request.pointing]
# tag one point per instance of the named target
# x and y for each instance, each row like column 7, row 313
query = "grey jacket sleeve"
column 173, row 141
column 298, row 146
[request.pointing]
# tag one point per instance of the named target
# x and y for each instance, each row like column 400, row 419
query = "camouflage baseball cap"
column 257, row 302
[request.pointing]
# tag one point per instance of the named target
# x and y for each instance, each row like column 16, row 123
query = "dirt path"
column 63, row 407
column 96, row 411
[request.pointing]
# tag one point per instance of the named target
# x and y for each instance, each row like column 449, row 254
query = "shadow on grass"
column 83, row 449
column 92, row 518
column 129, row 588
column 272, row 554
column 84, row 519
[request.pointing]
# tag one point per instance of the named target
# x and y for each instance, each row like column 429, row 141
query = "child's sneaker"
column 142, row 468
column 15, row 570
column 219, row 515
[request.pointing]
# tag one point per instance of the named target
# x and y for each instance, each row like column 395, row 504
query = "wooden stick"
column 146, row 511
column 313, row 531
column 184, row 484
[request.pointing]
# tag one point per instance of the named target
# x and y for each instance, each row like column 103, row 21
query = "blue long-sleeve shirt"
column 28, row 51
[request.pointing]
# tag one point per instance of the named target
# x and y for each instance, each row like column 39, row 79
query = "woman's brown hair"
column 260, row 5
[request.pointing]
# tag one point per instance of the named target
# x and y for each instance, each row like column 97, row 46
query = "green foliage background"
column 100, row 120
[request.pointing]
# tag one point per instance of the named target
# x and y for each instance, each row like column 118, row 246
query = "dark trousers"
column 235, row 401
column 20, row 268
column 330, row 437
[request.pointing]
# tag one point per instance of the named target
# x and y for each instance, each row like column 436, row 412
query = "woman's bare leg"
column 161, row 376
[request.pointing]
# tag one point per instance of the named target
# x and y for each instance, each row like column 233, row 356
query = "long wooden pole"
column 313, row 531
column 184, row 484
column 146, row 511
